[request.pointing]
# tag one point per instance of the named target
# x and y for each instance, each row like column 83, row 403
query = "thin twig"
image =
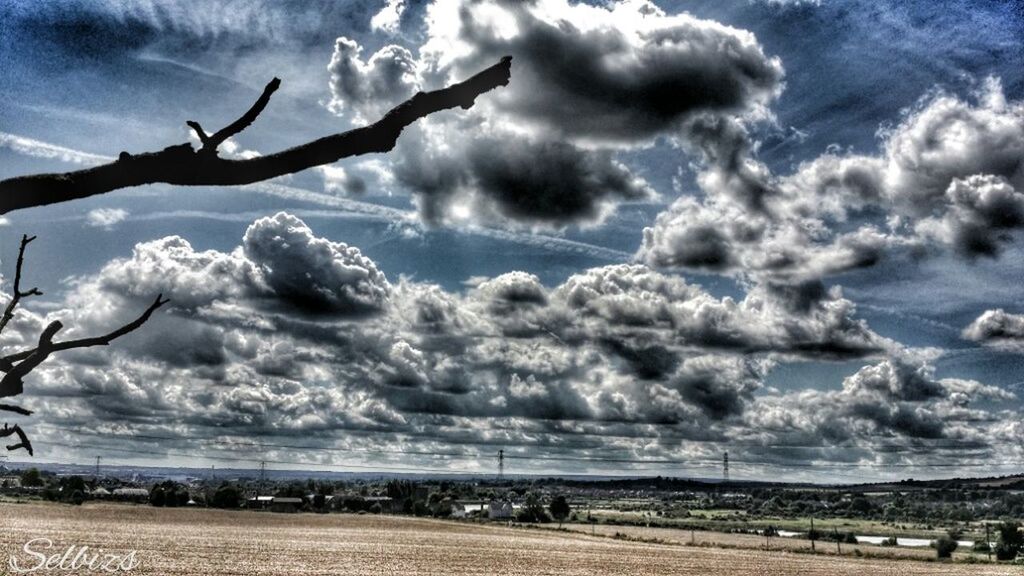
column 17, row 294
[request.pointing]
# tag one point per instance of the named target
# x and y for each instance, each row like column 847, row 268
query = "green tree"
column 158, row 497
column 1011, row 540
column 945, row 546
column 227, row 496
column 31, row 478
column 560, row 509
column 532, row 510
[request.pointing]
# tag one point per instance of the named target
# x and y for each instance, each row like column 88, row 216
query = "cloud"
column 543, row 151
column 370, row 88
column 105, row 217
column 502, row 179
column 314, row 273
column 982, row 210
column 898, row 399
column 624, row 72
column 337, row 179
column 997, row 328
column 389, row 18
column 617, row 347
column 39, row 149
column 949, row 176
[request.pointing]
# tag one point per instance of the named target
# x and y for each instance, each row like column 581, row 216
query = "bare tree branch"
column 182, row 165
column 212, row 142
column 17, row 293
column 18, row 365
column 24, row 444
column 15, row 409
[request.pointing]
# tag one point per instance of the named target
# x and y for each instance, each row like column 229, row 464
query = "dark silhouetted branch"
column 15, row 409
column 17, row 294
column 212, row 142
column 18, row 365
column 182, row 165
column 24, row 444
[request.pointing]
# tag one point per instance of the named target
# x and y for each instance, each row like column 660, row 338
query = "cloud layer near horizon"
column 294, row 335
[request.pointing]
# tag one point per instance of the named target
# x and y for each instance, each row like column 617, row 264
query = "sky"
column 789, row 230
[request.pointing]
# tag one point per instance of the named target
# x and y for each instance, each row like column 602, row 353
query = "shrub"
column 944, row 547
column 1011, row 540
column 227, row 496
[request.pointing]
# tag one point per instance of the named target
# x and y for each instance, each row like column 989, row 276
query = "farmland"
column 195, row 541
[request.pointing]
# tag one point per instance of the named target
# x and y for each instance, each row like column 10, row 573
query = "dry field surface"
column 194, row 542
column 751, row 541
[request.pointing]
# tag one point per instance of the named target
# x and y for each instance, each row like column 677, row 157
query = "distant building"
column 10, row 481
column 131, row 494
column 458, row 510
column 387, row 504
column 100, row 493
column 259, row 502
column 275, row 503
column 286, row 504
column 500, row 510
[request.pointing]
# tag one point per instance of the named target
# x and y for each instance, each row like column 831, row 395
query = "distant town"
column 977, row 516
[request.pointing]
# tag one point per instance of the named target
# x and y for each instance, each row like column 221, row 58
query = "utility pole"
column 812, row 534
column 835, row 532
column 725, row 467
column 263, row 475
column 96, row 476
column 501, row 465
column 988, row 541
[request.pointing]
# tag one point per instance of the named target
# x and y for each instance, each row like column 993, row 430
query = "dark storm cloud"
column 720, row 389
column 508, row 176
column 551, row 181
column 589, row 82
column 312, row 272
column 623, row 72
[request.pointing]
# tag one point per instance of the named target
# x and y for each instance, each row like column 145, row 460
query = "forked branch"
column 182, row 165
column 17, row 294
column 18, row 365
column 24, row 444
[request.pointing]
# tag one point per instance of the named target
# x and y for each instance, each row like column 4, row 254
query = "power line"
column 693, row 462
column 254, row 460
column 406, row 452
